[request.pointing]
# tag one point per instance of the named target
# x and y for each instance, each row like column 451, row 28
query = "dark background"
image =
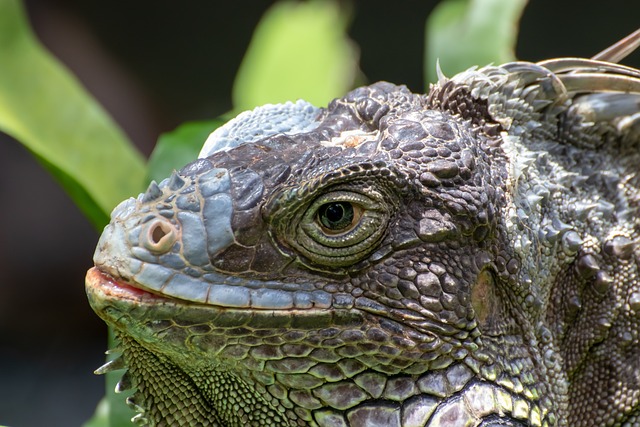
column 154, row 65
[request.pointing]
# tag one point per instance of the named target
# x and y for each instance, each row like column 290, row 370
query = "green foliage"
column 45, row 108
column 179, row 147
column 101, row 415
column 464, row 33
column 299, row 50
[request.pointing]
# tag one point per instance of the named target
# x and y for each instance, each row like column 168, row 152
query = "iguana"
column 465, row 257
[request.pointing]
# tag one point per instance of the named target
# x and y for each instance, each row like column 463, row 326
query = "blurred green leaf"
column 464, row 33
column 299, row 50
column 45, row 108
column 179, row 147
column 101, row 416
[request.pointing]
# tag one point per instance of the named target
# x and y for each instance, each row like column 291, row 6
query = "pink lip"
column 113, row 288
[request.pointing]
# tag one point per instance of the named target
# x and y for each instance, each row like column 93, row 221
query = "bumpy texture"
column 466, row 257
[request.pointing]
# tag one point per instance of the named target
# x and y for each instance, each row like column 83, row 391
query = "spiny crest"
column 175, row 182
column 585, row 101
column 153, row 193
column 110, row 366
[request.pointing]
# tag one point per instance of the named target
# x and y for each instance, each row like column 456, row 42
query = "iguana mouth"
column 219, row 295
column 111, row 287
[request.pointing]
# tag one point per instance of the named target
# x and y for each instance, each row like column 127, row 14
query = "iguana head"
column 304, row 220
column 388, row 260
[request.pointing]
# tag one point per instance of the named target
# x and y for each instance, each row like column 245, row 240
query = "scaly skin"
column 462, row 258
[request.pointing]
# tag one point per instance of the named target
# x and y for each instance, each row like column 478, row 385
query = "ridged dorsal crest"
column 585, row 102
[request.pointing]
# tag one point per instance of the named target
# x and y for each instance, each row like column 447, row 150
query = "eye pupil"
column 335, row 212
column 336, row 216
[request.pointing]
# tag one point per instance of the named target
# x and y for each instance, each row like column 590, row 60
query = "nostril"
column 160, row 236
column 158, row 233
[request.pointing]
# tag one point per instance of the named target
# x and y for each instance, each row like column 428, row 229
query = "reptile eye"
column 339, row 227
column 338, row 217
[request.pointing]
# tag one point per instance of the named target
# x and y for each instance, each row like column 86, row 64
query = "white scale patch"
column 351, row 139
